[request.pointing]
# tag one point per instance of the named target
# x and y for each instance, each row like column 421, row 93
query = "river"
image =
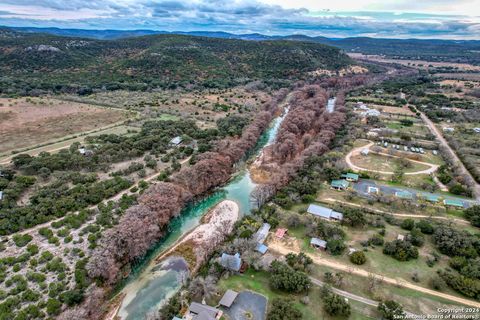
column 151, row 284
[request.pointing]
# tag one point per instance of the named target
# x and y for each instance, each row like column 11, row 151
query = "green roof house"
column 431, row 197
column 339, row 184
column 404, row 195
column 453, row 203
column 351, row 177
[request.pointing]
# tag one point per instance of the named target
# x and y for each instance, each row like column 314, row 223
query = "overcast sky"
column 333, row 18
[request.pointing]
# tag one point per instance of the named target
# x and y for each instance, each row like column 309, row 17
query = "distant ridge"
column 431, row 50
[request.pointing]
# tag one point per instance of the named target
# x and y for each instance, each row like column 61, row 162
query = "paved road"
column 444, row 143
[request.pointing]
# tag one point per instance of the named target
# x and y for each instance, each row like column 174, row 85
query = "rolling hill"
column 426, row 49
column 42, row 62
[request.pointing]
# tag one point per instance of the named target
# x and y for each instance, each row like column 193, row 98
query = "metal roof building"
column 262, row 233
column 453, row 203
column 324, row 212
column 228, row 298
column 318, row 243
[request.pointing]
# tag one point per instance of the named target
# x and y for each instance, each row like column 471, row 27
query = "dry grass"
column 28, row 122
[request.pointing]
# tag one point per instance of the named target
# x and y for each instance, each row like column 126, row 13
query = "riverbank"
column 193, row 248
column 197, row 244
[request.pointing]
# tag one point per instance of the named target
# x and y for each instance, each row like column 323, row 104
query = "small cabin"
column 318, row 244
column 339, row 184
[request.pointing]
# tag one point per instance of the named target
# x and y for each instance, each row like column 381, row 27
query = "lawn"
column 258, row 281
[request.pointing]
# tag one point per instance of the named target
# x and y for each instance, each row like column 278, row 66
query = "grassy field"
column 258, row 281
column 57, row 145
column 383, row 163
column 28, row 122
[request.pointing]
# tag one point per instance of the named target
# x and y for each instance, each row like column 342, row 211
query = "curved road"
column 356, row 151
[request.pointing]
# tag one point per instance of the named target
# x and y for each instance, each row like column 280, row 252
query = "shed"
column 318, row 243
column 453, row 203
column 228, row 298
column 231, row 262
column 365, row 151
column 351, row 251
column 351, row 176
column 477, row 130
column 261, row 248
column 339, row 184
column 323, row 212
column 262, row 233
column 1, row 195
column 176, row 141
column 401, row 237
column 280, row 233
column 404, row 195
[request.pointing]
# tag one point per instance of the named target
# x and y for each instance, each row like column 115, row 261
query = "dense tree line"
column 143, row 225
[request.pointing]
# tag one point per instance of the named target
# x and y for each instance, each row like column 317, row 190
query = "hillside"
column 30, row 61
column 425, row 49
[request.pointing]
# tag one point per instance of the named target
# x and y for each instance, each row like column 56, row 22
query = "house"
column 281, row 232
column 198, row 311
column 176, row 141
column 262, row 233
column 231, row 262
column 477, row 130
column 339, row 184
column 448, row 129
column 431, row 197
column 353, row 177
column 1, row 195
column 371, row 113
column 324, row 213
column 85, row 152
column 318, row 243
column 401, row 96
column 365, row 151
column 453, row 203
column 404, row 195
column 261, row 248
column 228, row 298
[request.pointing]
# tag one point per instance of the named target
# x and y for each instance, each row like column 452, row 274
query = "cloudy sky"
column 452, row 19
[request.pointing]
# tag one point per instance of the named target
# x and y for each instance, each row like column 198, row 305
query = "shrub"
column 401, row 250
column 425, row 227
column 472, row 214
column 287, row 279
column 358, row 257
column 283, row 309
column 391, row 310
column 408, row 224
column 21, row 240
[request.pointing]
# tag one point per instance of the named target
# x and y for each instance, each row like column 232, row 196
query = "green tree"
column 472, row 214
column 283, row 309
column 358, row 257
column 390, row 310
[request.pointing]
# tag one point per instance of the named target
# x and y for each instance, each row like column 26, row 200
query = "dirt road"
column 282, row 249
column 451, row 152
column 400, row 215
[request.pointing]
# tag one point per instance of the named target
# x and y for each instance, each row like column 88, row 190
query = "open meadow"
column 28, row 122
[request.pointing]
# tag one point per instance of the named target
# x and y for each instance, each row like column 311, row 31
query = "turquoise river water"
column 151, row 284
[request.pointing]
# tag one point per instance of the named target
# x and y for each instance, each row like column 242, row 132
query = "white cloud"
column 344, row 18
